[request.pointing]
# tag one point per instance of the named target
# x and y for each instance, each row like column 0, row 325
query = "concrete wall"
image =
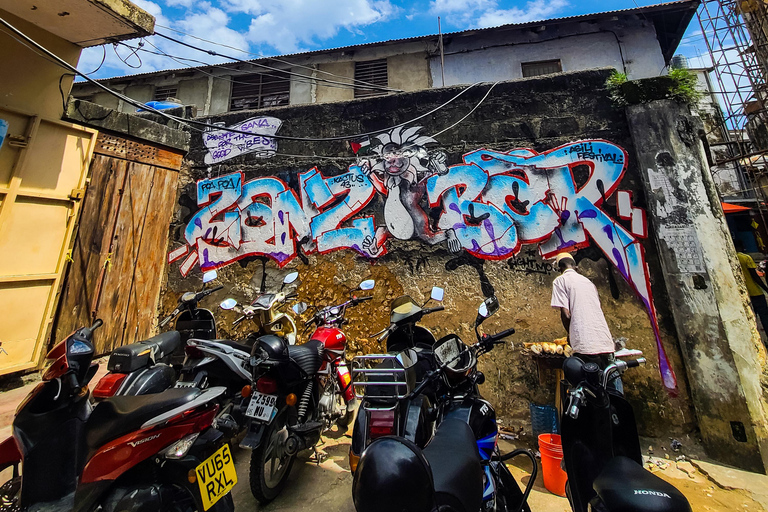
column 194, row 92
column 327, row 93
column 29, row 82
column 724, row 355
column 540, row 114
column 631, row 47
column 409, row 72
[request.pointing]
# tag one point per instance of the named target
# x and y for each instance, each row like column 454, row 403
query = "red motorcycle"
column 298, row 392
column 128, row 453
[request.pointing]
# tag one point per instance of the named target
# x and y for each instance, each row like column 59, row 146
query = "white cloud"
column 290, row 25
column 533, row 11
column 487, row 13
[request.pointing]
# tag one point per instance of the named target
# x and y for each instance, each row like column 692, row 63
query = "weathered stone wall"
column 540, row 114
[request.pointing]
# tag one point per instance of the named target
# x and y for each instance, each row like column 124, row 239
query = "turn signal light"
column 108, row 385
column 267, row 385
column 193, row 352
column 381, row 423
column 353, row 461
column 290, row 399
column 246, row 391
column 192, row 476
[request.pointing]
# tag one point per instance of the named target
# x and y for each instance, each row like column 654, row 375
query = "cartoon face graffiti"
column 399, row 170
column 490, row 205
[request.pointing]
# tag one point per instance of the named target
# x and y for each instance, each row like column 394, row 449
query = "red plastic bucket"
column 551, row 455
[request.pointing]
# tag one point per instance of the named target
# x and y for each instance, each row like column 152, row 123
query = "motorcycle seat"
column 455, row 462
column 235, row 345
column 120, row 415
column 309, row 356
column 626, row 485
column 137, row 355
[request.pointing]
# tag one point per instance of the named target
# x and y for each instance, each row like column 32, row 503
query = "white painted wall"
column 502, row 60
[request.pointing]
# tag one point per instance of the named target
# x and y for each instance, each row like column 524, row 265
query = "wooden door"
column 43, row 169
column 119, row 253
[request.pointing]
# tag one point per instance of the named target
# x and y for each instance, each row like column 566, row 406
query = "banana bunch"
column 559, row 347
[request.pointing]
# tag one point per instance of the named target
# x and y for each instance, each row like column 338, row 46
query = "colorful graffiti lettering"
column 490, row 205
column 223, row 144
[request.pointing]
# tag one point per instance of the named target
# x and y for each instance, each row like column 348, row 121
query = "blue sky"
column 261, row 27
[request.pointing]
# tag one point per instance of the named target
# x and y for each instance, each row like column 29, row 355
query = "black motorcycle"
column 380, row 380
column 461, row 469
column 601, row 447
column 153, row 365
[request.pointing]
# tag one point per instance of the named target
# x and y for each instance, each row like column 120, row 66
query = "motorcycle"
column 226, row 362
column 152, row 365
column 296, row 395
column 378, row 377
column 461, row 469
column 129, row 453
column 601, row 447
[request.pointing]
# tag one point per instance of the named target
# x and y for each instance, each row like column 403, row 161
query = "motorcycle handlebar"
column 501, row 335
column 167, row 319
column 634, row 363
column 433, row 310
column 358, row 300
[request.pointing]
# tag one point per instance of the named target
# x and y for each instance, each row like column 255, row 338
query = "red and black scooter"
column 129, row 453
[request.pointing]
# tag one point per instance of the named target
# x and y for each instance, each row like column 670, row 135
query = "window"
column 260, row 91
column 164, row 92
column 373, row 72
column 542, row 67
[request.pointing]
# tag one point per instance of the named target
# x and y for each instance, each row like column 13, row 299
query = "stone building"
column 639, row 42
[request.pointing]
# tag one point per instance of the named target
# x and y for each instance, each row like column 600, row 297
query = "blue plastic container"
column 544, row 420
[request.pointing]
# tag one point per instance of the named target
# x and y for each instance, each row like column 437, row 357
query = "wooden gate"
column 119, row 253
column 43, row 169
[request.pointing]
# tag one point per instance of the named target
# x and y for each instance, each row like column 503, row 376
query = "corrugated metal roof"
column 648, row 9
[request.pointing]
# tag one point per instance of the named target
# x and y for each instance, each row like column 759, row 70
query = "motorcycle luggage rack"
column 371, row 381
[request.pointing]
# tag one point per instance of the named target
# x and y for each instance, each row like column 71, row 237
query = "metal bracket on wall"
column 77, row 194
column 17, row 141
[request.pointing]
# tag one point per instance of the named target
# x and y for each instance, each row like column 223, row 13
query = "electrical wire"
column 133, row 54
column 261, row 56
column 252, row 63
column 37, row 47
column 179, row 60
column 468, row 113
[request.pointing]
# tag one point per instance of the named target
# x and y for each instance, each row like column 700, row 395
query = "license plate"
column 261, row 406
column 216, row 476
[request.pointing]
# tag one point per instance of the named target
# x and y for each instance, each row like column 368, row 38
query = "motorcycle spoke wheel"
column 270, row 465
column 10, row 492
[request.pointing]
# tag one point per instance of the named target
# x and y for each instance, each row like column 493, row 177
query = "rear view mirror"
column 293, row 276
column 209, row 276
column 488, row 308
column 437, row 293
column 228, row 304
column 367, row 284
column 299, row 307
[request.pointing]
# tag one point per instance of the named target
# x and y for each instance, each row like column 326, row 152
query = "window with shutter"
column 372, row 72
column 542, row 67
column 260, row 91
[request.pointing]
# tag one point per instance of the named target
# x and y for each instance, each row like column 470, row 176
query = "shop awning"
column 734, row 208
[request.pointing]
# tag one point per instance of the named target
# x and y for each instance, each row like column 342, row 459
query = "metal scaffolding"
column 736, row 34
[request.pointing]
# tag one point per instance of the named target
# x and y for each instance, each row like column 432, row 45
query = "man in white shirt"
column 582, row 315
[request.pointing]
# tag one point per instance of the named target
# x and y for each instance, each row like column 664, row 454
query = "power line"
column 178, row 59
column 252, row 63
column 276, row 59
column 37, row 47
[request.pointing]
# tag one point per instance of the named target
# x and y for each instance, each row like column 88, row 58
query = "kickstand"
column 319, row 456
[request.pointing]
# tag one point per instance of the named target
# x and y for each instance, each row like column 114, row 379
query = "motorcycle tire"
column 267, row 481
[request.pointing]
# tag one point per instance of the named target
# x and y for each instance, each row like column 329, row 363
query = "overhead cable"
column 276, row 59
column 257, row 64
column 61, row 62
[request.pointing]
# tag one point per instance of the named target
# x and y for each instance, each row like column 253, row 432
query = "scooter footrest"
column 303, row 428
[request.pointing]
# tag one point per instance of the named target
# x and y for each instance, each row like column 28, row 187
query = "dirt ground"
column 328, row 486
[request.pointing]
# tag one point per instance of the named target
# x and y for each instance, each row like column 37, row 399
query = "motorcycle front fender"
column 254, row 434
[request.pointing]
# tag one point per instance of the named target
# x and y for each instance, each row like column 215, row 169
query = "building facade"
column 638, row 42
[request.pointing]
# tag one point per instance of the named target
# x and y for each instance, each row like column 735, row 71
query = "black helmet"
column 393, row 475
column 273, row 347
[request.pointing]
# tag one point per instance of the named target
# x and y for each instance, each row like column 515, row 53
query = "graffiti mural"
column 490, row 205
column 223, row 144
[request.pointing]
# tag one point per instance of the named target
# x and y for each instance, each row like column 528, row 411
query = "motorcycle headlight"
column 180, row 448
